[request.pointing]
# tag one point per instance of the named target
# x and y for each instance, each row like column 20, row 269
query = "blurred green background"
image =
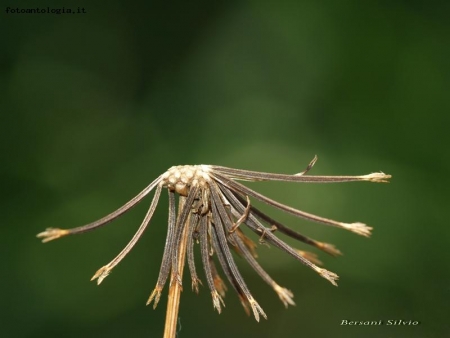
column 95, row 106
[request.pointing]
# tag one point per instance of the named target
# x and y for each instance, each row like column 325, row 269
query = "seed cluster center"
column 180, row 178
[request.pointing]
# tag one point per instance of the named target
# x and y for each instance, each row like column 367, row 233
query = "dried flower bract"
column 213, row 210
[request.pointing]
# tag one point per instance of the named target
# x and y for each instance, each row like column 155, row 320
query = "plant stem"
column 173, row 304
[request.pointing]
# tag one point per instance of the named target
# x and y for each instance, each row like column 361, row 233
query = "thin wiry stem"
column 104, row 271
column 217, row 299
column 309, row 167
column 219, row 214
column 242, row 218
column 54, row 233
column 228, row 273
column 253, row 223
column 195, row 218
column 241, row 242
column 167, row 255
column 218, row 281
column 284, row 294
column 249, row 175
column 325, row 247
column 359, row 228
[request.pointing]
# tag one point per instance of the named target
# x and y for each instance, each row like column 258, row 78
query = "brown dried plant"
column 213, row 209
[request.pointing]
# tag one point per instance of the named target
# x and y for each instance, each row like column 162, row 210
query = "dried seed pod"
column 214, row 210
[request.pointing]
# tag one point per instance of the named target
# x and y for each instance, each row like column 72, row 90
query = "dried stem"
column 173, row 304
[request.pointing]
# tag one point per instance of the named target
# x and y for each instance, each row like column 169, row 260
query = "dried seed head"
column 214, row 209
column 181, row 178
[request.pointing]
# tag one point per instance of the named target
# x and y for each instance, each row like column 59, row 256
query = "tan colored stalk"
column 173, row 304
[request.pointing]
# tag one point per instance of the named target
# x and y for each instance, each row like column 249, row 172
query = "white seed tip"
column 358, row 228
column 285, row 295
column 101, row 274
column 155, row 295
column 216, row 301
column 195, row 283
column 52, row 233
column 328, row 275
column 377, row 177
column 257, row 310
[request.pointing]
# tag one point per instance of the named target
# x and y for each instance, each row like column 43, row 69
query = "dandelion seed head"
column 215, row 211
